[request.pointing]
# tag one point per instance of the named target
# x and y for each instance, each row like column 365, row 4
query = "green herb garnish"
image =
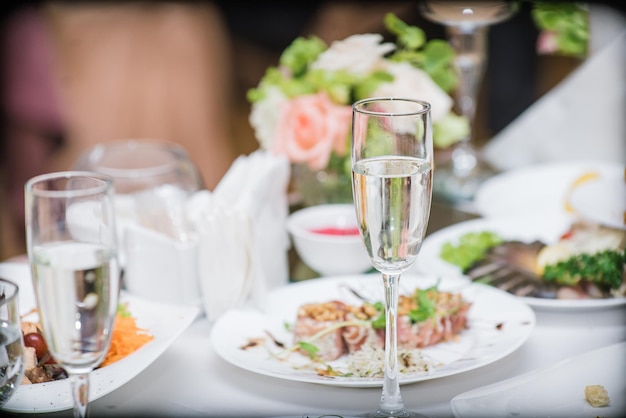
column 604, row 268
column 309, row 348
column 426, row 307
column 471, row 247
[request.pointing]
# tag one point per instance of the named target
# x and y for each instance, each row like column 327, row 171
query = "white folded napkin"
column 583, row 116
column 159, row 246
column 243, row 243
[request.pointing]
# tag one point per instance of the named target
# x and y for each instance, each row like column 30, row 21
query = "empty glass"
column 153, row 180
column 11, row 345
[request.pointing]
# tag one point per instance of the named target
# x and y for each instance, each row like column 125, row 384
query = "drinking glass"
column 466, row 24
column 72, row 250
column 152, row 179
column 157, row 245
column 11, row 345
column 392, row 161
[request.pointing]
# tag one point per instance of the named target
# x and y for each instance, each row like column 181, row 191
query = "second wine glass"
column 467, row 24
column 392, row 166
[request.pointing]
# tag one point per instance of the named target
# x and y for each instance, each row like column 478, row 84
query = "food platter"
column 556, row 391
column 165, row 322
column 541, row 189
column 602, row 200
column 547, row 229
column 498, row 325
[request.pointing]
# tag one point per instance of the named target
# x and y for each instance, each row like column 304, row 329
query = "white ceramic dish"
column 481, row 344
column 556, row 391
column 540, row 189
column 329, row 254
column 602, row 200
column 525, row 228
column 165, row 322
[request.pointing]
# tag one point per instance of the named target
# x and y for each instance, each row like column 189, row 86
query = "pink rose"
column 546, row 43
column 311, row 127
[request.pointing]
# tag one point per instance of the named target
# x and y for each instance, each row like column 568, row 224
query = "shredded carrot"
column 127, row 337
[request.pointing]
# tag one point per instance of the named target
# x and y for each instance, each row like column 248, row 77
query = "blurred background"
column 77, row 74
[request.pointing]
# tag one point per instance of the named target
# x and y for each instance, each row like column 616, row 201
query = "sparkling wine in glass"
column 466, row 24
column 72, row 250
column 11, row 344
column 392, row 171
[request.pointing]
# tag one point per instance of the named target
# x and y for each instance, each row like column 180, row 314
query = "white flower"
column 357, row 54
column 411, row 82
column 264, row 116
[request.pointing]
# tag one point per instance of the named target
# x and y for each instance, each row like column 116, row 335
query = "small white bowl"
column 329, row 253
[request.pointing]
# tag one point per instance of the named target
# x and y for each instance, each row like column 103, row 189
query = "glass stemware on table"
column 153, row 180
column 11, row 345
column 392, row 170
column 72, row 251
column 466, row 24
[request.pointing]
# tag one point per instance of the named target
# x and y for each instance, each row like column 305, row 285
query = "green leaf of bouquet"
column 338, row 85
column 409, row 37
column 301, row 53
column 297, row 87
column 446, row 79
column 568, row 20
column 272, row 77
column 414, row 58
column 449, row 130
column 366, row 87
column 438, row 62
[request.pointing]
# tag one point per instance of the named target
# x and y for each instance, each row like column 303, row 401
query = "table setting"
column 405, row 309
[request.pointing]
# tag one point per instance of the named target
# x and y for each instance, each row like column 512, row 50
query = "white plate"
column 540, row 189
column 556, row 391
column 602, row 200
column 165, row 322
column 547, row 229
column 481, row 344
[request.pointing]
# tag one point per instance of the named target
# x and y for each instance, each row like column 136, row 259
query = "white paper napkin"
column 583, row 116
column 243, row 242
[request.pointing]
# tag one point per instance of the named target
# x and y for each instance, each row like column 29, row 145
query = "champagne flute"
column 72, row 250
column 467, row 24
column 392, row 160
column 11, row 345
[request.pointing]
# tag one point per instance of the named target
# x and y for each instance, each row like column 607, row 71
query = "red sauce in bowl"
column 332, row 230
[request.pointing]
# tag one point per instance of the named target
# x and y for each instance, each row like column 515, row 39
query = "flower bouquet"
column 563, row 28
column 302, row 107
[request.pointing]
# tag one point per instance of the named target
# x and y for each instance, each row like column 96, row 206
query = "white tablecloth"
column 189, row 379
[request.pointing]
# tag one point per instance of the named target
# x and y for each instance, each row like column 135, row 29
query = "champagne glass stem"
column 470, row 45
column 80, row 392
column 391, row 400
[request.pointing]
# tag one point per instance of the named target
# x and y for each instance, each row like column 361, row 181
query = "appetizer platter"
column 164, row 323
column 321, row 331
column 555, row 262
